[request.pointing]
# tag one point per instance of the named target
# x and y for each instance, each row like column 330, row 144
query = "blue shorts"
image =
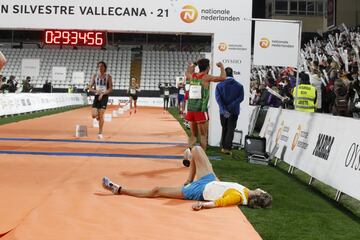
column 194, row 190
column 181, row 98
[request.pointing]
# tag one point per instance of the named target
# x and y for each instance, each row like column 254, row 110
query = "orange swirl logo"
column 296, row 138
column 222, row 47
column 264, row 42
column 189, row 14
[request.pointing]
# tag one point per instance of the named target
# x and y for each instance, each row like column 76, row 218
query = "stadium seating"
column 85, row 60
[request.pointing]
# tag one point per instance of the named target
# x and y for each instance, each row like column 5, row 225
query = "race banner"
column 30, row 67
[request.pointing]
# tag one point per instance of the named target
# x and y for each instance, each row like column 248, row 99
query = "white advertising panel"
column 78, row 78
column 314, row 144
column 276, row 43
column 211, row 17
column 58, row 74
column 30, row 67
column 12, row 103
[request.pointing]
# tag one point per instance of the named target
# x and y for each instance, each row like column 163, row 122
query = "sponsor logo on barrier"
column 279, row 132
column 323, row 146
column 352, row 159
column 300, row 139
column 222, row 47
column 296, row 138
column 264, row 42
column 189, row 14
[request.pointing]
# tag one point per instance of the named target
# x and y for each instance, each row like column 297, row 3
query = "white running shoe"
column 100, row 136
column 108, row 185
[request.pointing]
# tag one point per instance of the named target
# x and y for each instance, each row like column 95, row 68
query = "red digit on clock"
column 48, row 37
column 74, row 38
column 66, row 37
column 91, row 38
column 99, row 39
column 82, row 38
column 57, row 36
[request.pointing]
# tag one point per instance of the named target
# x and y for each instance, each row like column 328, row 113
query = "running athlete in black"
column 133, row 90
column 101, row 85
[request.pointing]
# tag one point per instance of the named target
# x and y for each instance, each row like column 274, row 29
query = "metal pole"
column 298, row 65
column 272, row 20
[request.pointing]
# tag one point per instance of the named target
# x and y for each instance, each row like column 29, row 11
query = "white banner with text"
column 16, row 103
column 324, row 146
column 276, row 44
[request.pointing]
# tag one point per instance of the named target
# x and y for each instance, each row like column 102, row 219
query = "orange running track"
column 50, row 183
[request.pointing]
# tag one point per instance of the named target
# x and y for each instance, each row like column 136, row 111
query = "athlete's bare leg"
column 201, row 162
column 135, row 105
column 193, row 136
column 203, row 134
column 95, row 113
column 166, row 192
column 101, row 120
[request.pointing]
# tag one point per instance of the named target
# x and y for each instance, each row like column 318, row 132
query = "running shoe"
column 100, row 136
column 108, row 185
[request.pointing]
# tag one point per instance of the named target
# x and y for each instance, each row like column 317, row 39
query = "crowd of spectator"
column 333, row 65
column 11, row 85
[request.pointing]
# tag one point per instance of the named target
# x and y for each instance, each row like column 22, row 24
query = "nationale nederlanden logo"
column 264, row 42
column 222, row 47
column 189, row 14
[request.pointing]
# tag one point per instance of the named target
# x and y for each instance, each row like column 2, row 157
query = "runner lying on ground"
column 207, row 188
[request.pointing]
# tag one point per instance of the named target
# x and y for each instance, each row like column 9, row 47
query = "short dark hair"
column 103, row 63
column 229, row 72
column 203, row 64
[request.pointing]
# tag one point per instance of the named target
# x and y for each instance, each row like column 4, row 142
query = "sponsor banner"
column 58, row 74
column 141, row 101
column 314, row 144
column 30, row 67
column 276, row 44
column 78, row 78
column 126, row 15
column 12, row 103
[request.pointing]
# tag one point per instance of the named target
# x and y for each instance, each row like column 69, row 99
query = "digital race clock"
column 75, row 38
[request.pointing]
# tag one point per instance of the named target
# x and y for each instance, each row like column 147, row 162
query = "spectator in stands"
column 101, row 85
column 4, row 85
column 47, row 87
column 12, row 83
column 134, row 89
column 341, row 105
column 197, row 111
column 165, row 91
column 315, row 80
column 207, row 188
column 26, row 86
column 229, row 95
column 305, row 94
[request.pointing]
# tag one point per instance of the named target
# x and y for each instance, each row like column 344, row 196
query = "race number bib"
column 187, row 87
column 181, row 92
column 102, row 89
column 166, row 93
column 195, row 92
column 133, row 91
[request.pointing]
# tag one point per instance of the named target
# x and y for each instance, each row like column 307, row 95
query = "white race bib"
column 182, row 92
column 133, row 91
column 187, row 87
column 166, row 93
column 102, row 89
column 195, row 92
